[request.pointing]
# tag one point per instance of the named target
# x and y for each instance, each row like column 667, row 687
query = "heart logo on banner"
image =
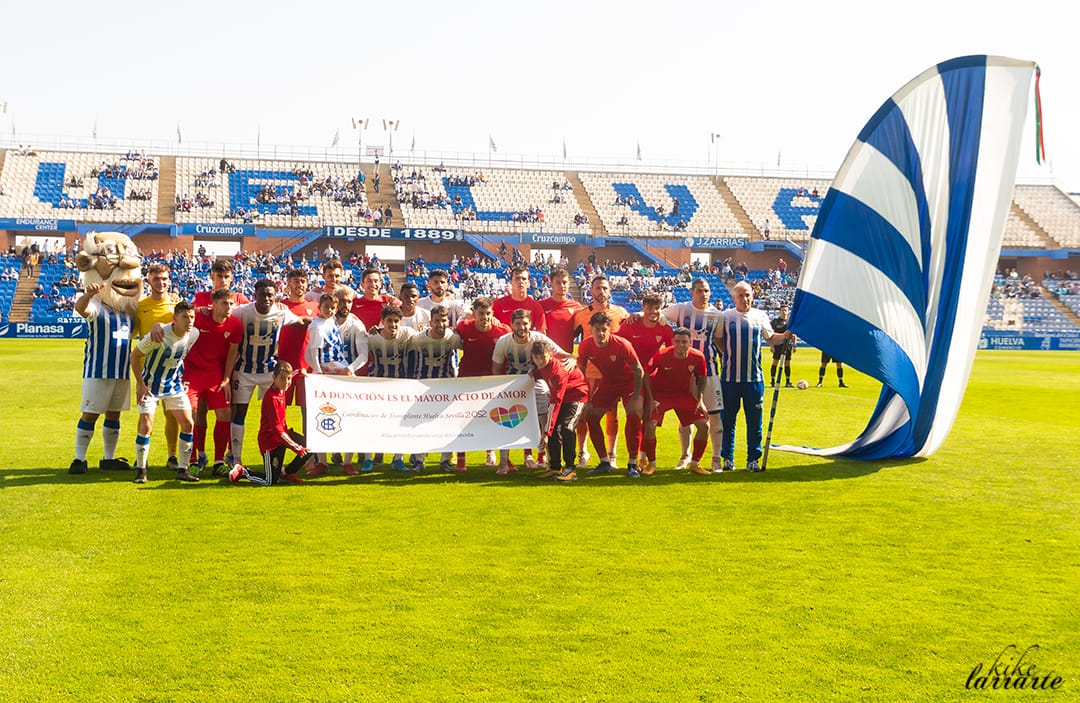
column 509, row 417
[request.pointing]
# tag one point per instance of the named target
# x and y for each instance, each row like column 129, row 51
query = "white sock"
column 236, row 442
column 84, row 432
column 110, row 437
column 142, row 450
column 184, row 447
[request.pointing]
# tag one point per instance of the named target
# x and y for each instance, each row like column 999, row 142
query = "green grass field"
column 818, row 580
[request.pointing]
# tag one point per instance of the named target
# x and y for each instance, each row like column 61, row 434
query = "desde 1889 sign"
column 394, row 233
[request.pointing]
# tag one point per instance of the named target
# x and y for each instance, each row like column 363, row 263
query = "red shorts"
column 215, row 400
column 686, row 409
column 606, row 396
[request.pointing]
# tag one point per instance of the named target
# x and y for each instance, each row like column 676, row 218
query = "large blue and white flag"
column 902, row 256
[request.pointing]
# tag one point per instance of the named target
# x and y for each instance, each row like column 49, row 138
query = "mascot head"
column 113, row 259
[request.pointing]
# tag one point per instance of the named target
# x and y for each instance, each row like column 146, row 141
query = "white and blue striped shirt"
column 258, row 347
column 354, row 337
column 744, row 333
column 325, row 351
column 389, row 357
column 434, row 358
column 163, row 367
column 702, row 324
column 108, row 344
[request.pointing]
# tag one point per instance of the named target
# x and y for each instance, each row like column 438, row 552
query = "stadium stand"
column 1053, row 210
column 278, row 194
column 87, row 187
column 10, row 270
column 1018, row 233
column 778, row 202
column 491, row 200
column 642, row 204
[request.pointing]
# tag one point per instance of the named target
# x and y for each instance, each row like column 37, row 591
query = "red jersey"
column 370, row 311
column 669, row 375
column 559, row 317
column 272, row 424
column 564, row 387
column 647, row 341
column 478, row 347
column 204, row 366
column 615, row 362
column 293, row 339
column 204, row 299
column 503, row 308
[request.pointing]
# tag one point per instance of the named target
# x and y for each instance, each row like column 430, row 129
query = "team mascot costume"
column 112, row 275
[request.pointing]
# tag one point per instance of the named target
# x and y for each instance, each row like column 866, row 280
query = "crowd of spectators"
column 140, row 169
column 1062, row 283
column 1008, row 283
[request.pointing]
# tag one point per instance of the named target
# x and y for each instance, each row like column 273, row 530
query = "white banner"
column 408, row 416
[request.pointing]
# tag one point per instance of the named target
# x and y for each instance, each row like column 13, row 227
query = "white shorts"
column 712, row 398
column 180, row 401
column 244, row 385
column 106, row 395
column 543, row 396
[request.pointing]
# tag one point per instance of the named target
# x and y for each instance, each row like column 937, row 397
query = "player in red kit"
column 208, row 371
column 293, row 341
column 559, row 310
column 221, row 276
column 478, row 337
column 677, row 377
column 647, row 334
column 519, row 299
column 621, row 378
column 368, row 306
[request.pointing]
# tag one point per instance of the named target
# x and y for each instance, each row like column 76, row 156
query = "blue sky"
column 787, row 79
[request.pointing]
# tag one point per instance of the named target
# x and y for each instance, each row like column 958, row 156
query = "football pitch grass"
column 817, row 580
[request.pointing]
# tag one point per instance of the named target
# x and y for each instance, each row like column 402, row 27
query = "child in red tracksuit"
column 275, row 436
column 569, row 391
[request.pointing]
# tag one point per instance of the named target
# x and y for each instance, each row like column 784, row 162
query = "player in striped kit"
column 109, row 263
column 159, row 369
column 354, row 339
column 388, row 358
column 741, row 335
column 433, row 354
column 513, row 355
column 325, row 353
column 412, row 316
column 703, row 321
column 262, row 321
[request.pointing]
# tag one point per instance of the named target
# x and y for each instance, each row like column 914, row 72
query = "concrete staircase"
column 166, row 207
column 736, row 207
column 386, row 195
column 596, row 227
column 23, row 299
column 1046, row 239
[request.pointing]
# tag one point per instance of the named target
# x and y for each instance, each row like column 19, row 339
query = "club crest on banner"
column 328, row 421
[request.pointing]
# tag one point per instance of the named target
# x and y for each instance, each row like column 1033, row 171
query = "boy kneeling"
column 275, row 436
